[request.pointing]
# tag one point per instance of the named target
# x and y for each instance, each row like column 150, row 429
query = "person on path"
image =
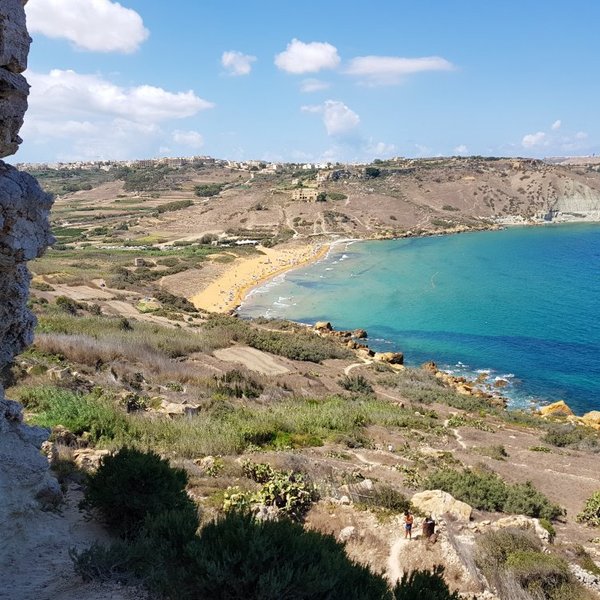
column 408, row 524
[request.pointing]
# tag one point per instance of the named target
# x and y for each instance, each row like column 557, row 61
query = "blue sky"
column 311, row 81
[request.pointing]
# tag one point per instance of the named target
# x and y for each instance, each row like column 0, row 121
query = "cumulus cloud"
column 532, row 140
column 337, row 117
column 101, row 119
column 379, row 149
column 557, row 142
column 461, row 149
column 96, row 25
column 313, row 85
column 237, row 63
column 389, row 70
column 300, row 57
column 68, row 93
column 191, row 139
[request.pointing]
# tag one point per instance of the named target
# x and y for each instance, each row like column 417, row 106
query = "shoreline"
column 227, row 292
column 229, row 289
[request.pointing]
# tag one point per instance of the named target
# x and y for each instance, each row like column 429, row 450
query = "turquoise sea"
column 519, row 304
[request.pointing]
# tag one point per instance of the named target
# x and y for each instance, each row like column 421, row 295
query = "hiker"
column 408, row 523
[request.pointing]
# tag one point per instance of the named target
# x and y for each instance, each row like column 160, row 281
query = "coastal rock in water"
column 592, row 419
column 392, row 358
column 556, row 409
column 359, row 334
column 323, row 326
column 439, row 503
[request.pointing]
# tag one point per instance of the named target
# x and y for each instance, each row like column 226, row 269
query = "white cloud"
column 96, row 25
column 389, row 70
column 237, row 63
column 192, row 139
column 100, row 119
column 337, row 117
column 581, row 135
column 461, row 149
column 556, row 125
column 313, row 85
column 379, row 149
column 71, row 94
column 299, row 57
column 534, row 139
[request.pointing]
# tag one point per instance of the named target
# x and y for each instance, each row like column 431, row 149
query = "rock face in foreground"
column 24, row 235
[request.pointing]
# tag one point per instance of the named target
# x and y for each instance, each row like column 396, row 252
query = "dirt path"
column 394, row 571
column 355, row 365
column 35, row 556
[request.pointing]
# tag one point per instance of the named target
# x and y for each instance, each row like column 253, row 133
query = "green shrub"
column 590, row 515
column 525, row 499
column 236, row 384
column 175, row 205
column 68, row 305
column 424, row 585
column 568, row 435
column 497, row 452
column 386, row 498
column 538, row 572
column 485, row 490
column 481, row 489
column 132, row 486
column 237, row 558
column 206, row 190
column 356, row 383
column 77, row 412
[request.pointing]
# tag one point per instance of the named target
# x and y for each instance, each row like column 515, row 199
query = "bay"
column 519, row 305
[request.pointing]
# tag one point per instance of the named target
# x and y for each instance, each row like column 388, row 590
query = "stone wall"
column 24, row 235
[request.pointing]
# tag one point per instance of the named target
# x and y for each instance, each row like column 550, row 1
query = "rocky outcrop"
column 24, row 234
column 556, row 409
column 438, row 503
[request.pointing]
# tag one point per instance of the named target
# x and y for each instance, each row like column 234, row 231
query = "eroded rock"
column 438, row 503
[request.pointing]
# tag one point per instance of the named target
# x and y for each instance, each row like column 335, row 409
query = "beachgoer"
column 408, row 523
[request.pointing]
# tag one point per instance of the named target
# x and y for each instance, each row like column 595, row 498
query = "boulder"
column 524, row 523
column 392, row 358
column 438, row 503
column 323, row 326
column 430, row 366
column 88, row 459
column 592, row 419
column 347, row 534
column 359, row 334
column 556, row 409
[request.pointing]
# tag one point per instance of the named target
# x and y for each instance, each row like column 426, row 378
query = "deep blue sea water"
column 519, row 304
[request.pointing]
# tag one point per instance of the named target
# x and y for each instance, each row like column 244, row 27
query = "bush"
column 538, row 572
column 590, row 515
column 486, row 491
column 79, row 413
column 424, row 585
column 172, row 206
column 132, row 486
column 356, row 383
column 206, row 190
column 386, row 498
column 237, row 558
column 573, row 436
column 524, row 499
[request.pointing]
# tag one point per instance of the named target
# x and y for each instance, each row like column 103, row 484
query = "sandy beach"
column 230, row 288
